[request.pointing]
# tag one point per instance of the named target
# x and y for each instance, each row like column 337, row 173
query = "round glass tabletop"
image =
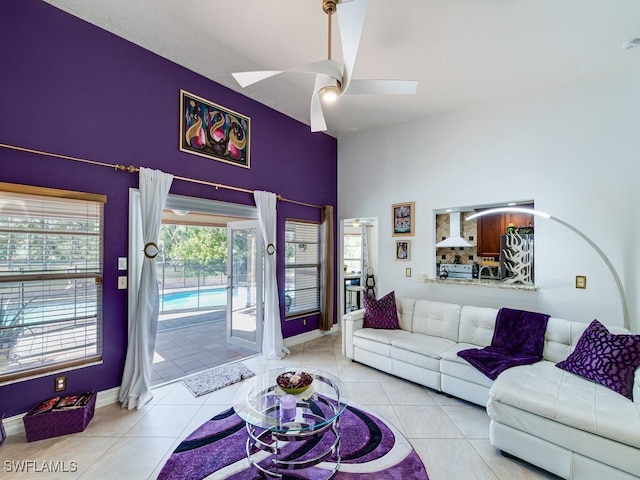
column 263, row 404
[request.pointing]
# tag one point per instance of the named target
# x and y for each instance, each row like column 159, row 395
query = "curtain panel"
column 327, row 269
column 135, row 390
column 272, row 341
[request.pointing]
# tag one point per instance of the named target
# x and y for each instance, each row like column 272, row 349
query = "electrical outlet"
column 304, row 322
column 60, row 383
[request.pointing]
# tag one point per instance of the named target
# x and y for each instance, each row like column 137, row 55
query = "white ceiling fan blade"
column 332, row 68
column 351, row 20
column 374, row 87
column 249, row 78
column 318, row 123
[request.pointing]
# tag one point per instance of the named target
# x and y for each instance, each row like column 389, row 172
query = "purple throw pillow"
column 605, row 358
column 381, row 313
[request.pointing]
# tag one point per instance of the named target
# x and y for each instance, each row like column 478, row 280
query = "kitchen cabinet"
column 490, row 227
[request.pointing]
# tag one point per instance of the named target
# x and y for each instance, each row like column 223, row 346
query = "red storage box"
column 58, row 421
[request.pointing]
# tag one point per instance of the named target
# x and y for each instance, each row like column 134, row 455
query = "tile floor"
column 450, row 435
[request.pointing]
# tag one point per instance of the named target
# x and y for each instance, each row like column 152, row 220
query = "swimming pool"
column 211, row 297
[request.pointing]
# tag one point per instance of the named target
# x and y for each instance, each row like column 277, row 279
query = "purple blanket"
column 518, row 339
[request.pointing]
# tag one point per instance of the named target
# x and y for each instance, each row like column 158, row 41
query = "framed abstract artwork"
column 403, row 250
column 402, row 219
column 212, row 131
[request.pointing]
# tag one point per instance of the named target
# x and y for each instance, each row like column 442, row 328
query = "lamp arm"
column 605, row 259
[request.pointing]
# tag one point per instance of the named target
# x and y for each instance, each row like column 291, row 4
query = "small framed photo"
column 581, row 281
column 402, row 218
column 403, row 249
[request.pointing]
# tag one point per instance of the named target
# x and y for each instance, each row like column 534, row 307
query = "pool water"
column 215, row 297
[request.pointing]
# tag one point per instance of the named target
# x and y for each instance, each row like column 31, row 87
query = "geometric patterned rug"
column 210, row 380
column 370, row 448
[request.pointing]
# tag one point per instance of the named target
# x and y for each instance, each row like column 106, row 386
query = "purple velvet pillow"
column 605, row 358
column 381, row 313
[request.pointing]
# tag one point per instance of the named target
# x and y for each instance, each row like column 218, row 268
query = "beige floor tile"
column 471, row 420
column 113, row 421
column 367, row 393
column 356, row 372
column 181, row 395
column 407, row 393
column 318, row 358
column 134, row 458
column 425, row 421
column 163, row 421
column 507, row 468
column 448, row 459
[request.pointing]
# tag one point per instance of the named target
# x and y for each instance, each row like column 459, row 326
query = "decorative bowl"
column 294, row 382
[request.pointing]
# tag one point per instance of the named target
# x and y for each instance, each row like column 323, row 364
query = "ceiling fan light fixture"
column 330, row 93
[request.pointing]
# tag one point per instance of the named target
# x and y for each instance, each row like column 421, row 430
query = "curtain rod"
column 133, row 169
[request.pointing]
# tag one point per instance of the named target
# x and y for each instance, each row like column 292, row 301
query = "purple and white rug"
column 370, row 448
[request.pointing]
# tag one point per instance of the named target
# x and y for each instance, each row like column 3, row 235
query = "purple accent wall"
column 71, row 88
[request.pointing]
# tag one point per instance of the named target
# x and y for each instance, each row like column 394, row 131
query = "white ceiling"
column 462, row 52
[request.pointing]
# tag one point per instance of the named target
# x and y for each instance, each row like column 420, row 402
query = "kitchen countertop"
column 474, row 282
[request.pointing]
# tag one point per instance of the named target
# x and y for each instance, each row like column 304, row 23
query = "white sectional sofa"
column 570, row 426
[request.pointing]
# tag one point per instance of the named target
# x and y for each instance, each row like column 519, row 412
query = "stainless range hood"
column 455, row 239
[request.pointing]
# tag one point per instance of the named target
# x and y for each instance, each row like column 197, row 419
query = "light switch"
column 122, row 263
column 122, row 283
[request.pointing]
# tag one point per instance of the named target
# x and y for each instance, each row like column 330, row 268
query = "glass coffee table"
column 278, row 423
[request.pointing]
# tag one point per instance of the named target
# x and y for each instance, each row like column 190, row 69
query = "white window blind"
column 302, row 268
column 50, row 279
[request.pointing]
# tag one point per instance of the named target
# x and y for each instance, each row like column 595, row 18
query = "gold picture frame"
column 212, row 131
column 403, row 250
column 402, row 219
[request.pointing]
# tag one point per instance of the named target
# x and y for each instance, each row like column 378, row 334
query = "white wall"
column 575, row 151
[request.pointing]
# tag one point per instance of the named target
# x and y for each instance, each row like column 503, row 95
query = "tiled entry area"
column 190, row 342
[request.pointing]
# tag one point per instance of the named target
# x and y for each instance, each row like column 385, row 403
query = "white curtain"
column 272, row 342
column 135, row 390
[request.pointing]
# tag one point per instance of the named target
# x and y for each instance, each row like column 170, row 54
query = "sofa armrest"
column 351, row 322
column 636, row 387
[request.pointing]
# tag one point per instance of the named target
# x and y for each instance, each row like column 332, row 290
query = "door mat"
column 211, row 380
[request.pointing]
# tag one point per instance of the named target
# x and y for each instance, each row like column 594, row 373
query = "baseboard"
column 308, row 336
column 15, row 426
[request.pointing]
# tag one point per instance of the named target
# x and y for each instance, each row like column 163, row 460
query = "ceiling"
column 464, row 53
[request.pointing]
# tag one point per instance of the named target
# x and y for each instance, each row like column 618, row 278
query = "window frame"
column 48, row 278
column 317, row 265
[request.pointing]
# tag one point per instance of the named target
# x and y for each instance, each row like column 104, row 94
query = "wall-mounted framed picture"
column 403, row 249
column 212, row 131
column 402, row 218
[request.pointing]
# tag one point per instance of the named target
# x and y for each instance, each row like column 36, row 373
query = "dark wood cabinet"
column 491, row 227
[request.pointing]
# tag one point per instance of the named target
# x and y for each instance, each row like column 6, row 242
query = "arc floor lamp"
column 603, row 256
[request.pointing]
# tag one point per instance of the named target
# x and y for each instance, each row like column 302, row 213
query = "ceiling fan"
column 334, row 78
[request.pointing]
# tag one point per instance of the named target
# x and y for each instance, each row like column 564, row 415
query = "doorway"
column 360, row 261
column 210, row 287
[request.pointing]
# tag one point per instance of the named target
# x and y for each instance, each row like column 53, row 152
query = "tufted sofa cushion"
column 477, row 325
column 437, row 319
